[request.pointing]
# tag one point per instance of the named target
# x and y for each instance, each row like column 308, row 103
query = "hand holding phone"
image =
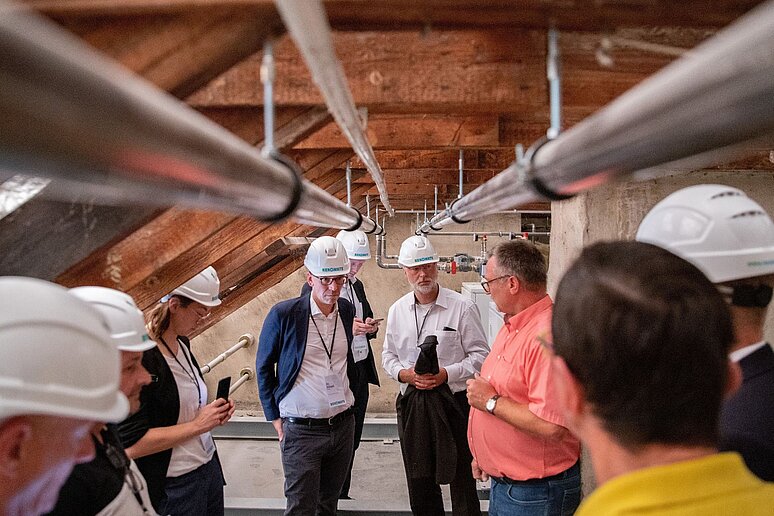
column 223, row 387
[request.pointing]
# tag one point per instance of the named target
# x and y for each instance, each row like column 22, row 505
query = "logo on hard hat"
column 423, row 259
column 331, row 269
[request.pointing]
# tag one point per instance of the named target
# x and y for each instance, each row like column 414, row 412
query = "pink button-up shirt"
column 519, row 368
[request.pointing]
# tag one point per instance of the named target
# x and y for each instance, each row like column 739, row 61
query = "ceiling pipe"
column 307, row 24
column 102, row 133
column 554, row 75
column 694, row 112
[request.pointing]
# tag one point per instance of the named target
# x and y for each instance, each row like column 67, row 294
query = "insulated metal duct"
column 715, row 98
column 104, row 134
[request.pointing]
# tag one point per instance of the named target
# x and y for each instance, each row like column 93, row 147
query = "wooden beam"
column 433, row 14
column 431, row 176
column 406, row 132
column 442, row 158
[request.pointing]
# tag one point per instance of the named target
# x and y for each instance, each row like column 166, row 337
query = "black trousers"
column 360, row 392
column 424, row 494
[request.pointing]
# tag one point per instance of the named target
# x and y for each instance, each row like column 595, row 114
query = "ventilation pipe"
column 307, row 24
column 70, row 114
column 696, row 111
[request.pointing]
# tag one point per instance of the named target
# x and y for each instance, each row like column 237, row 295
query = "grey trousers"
column 316, row 460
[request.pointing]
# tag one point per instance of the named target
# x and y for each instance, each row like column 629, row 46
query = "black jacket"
column 747, row 418
column 159, row 407
column 372, row 376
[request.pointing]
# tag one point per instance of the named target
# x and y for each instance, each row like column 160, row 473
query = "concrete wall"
column 383, row 287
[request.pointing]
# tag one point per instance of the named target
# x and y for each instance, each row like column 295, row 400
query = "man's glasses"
column 485, row 284
column 330, row 280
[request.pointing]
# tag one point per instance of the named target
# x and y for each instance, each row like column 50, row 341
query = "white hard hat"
column 720, row 230
column 327, row 257
column 416, row 250
column 125, row 321
column 56, row 356
column 203, row 288
column 356, row 244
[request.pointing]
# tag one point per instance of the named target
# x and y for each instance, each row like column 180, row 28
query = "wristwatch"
column 491, row 403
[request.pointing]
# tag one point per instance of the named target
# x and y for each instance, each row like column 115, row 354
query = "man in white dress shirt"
column 430, row 309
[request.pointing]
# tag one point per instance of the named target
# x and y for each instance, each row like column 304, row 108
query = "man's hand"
column 479, row 391
column 478, row 473
column 362, row 328
column 407, row 376
column 277, row 424
column 430, row 381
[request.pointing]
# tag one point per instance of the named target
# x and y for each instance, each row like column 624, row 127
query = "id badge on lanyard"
column 334, row 390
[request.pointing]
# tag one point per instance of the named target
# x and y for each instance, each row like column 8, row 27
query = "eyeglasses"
column 329, row 280
column 202, row 312
column 485, row 284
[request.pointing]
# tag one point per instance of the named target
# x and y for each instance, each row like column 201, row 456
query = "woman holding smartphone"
column 169, row 437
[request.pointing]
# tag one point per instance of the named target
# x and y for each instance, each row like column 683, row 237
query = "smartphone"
column 223, row 387
column 378, row 320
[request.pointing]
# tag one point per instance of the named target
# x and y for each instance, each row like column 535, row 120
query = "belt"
column 328, row 421
column 572, row 470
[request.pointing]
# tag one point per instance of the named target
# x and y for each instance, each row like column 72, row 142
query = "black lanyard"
column 192, row 374
column 118, row 459
column 416, row 319
column 333, row 340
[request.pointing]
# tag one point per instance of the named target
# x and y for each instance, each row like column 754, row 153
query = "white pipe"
column 245, row 341
column 698, row 110
column 307, row 24
column 245, row 375
column 553, row 73
column 267, row 77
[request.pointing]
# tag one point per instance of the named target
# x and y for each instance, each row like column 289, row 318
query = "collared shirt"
column 359, row 342
column 519, row 368
column 715, row 485
column 309, row 396
column 739, row 354
column 456, row 323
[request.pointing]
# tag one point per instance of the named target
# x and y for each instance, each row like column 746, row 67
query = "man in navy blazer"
column 305, row 368
column 730, row 238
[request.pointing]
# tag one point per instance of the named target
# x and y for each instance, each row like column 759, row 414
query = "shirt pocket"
column 449, row 348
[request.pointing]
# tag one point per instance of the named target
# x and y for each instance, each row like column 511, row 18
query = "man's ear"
column 734, row 379
column 514, row 285
column 571, row 393
column 309, row 280
column 15, row 439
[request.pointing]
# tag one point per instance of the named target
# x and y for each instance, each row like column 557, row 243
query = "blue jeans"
column 558, row 495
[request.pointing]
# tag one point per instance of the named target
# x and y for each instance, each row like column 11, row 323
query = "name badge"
column 334, row 390
column 207, row 443
column 360, row 348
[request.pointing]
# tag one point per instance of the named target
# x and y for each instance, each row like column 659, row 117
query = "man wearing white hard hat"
column 431, row 310
column 364, row 329
column 59, row 375
column 730, row 238
column 111, row 484
column 305, row 368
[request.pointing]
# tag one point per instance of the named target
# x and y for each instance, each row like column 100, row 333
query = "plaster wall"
column 383, row 288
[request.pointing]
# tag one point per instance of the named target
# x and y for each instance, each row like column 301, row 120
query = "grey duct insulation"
column 696, row 111
column 102, row 133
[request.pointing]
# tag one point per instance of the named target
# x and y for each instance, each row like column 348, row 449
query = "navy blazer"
column 282, row 344
column 372, row 376
column 747, row 418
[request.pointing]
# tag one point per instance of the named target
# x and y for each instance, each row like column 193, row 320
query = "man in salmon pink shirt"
column 516, row 432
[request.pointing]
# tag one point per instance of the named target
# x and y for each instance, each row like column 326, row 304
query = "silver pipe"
column 503, row 212
column 462, row 167
column 553, row 73
column 267, row 77
column 68, row 113
column 508, row 234
column 435, row 202
column 368, row 206
column 381, row 250
column 245, row 341
column 715, row 98
column 307, row 24
column 245, row 375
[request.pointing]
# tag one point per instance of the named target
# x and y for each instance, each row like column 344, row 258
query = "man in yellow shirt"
column 641, row 340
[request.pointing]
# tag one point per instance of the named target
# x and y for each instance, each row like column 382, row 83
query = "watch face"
column 490, row 404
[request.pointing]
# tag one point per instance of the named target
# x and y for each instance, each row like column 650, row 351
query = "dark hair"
column 158, row 319
column 647, row 336
column 521, row 258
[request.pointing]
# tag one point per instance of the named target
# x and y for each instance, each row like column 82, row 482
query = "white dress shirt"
column 309, row 396
column 454, row 320
column 359, row 342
